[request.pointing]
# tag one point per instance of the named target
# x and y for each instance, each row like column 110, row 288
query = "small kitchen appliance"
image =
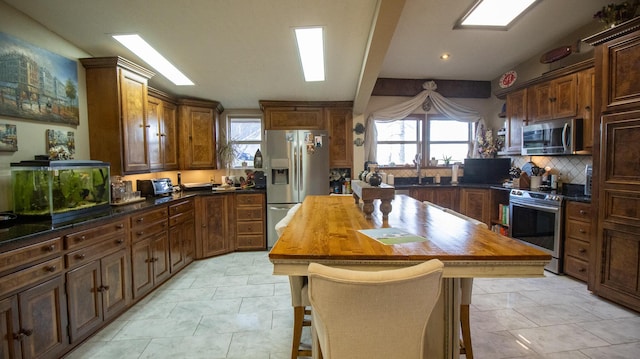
column 588, row 173
column 155, row 187
column 556, row 137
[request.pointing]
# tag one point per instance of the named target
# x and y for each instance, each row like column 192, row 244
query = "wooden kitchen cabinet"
column 250, row 221
column 586, row 96
column 198, row 120
column 442, row 196
column 578, row 231
column 214, row 223
column 163, row 131
column 553, row 99
column 117, row 113
column 476, row 203
column 616, row 186
column 34, row 322
column 293, row 115
column 181, row 234
column 516, row 118
column 149, row 250
column 340, row 137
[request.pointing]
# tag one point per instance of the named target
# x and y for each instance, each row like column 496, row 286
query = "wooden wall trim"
column 447, row 88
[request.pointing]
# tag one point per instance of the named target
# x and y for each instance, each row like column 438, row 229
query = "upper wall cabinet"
column 163, row 131
column 340, row 124
column 553, row 99
column 292, row 115
column 198, row 119
column 516, row 118
column 117, row 109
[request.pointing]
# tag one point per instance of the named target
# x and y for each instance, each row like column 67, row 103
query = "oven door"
column 539, row 226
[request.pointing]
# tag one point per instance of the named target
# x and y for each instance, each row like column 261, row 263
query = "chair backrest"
column 364, row 314
column 284, row 222
column 472, row 220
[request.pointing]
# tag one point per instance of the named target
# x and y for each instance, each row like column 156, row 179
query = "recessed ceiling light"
column 148, row 54
column 311, row 50
column 444, row 56
column 497, row 14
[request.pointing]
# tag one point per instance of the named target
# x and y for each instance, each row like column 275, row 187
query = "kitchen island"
column 326, row 230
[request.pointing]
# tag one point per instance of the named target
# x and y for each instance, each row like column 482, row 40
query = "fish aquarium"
column 60, row 190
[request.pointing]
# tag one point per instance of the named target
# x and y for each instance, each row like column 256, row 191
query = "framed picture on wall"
column 37, row 84
column 61, row 145
column 8, row 138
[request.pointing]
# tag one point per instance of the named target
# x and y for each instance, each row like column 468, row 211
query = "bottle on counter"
column 257, row 159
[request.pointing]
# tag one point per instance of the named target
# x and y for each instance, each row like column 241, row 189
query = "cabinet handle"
column 581, row 230
column 23, row 333
column 162, row 135
column 102, row 288
column 583, row 212
column 141, row 219
column 81, row 238
column 120, row 226
column 140, row 233
column 582, row 250
column 119, row 241
column 582, row 270
column 50, row 268
column 50, row 248
column 204, row 226
column 144, row 126
column 80, row 256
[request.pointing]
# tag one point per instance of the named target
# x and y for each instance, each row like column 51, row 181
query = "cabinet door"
column 564, row 96
column 516, row 118
column 620, row 72
column 161, row 264
column 141, row 268
column 84, row 298
column 198, row 145
column 116, row 291
column 169, row 136
column 154, row 117
column 189, row 239
column 446, row 197
column 586, row 97
column 176, row 248
column 133, row 90
column 341, row 137
column 540, row 102
column 43, row 313
column 214, row 226
column 294, row 118
column 9, row 326
column 476, row 203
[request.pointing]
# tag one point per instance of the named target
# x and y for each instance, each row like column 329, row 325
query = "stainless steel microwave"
column 556, row 137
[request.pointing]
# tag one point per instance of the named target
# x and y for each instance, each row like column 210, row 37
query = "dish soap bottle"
column 257, row 159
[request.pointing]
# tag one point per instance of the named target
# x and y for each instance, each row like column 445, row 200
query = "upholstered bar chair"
column 466, row 287
column 373, row 314
column 299, row 296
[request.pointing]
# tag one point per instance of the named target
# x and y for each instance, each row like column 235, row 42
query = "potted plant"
column 227, row 153
column 446, row 159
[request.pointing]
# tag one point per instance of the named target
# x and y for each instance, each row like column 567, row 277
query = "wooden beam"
column 447, row 88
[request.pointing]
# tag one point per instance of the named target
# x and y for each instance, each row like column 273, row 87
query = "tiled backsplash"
column 570, row 168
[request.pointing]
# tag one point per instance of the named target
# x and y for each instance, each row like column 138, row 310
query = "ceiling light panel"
column 148, row 54
column 497, row 14
column 310, row 42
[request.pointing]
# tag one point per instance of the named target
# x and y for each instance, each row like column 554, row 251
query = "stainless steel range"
column 535, row 219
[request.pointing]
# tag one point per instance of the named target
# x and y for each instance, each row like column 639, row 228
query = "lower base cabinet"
column 97, row 292
column 149, row 263
column 444, row 197
column 214, row 231
column 39, row 328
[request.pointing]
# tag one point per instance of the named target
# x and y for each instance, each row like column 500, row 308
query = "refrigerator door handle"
column 301, row 175
column 294, row 176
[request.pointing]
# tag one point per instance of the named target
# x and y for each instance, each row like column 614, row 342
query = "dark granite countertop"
column 27, row 228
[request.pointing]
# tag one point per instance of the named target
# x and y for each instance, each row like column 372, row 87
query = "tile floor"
column 232, row 307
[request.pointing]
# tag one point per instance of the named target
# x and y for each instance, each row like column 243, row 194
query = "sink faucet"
column 417, row 161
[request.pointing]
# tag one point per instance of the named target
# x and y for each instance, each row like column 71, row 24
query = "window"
column 245, row 132
column 400, row 141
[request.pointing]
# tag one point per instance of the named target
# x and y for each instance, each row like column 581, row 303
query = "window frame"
column 229, row 119
column 424, row 141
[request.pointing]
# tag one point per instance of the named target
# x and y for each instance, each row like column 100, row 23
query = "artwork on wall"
column 61, row 145
column 8, row 138
column 36, row 84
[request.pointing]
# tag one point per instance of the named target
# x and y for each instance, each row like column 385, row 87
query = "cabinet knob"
column 140, row 233
column 102, row 288
column 23, row 333
column 583, row 212
column 80, row 256
column 50, row 268
column 582, row 270
column 162, row 135
column 50, row 248
column 582, row 250
column 204, row 226
column 119, row 241
column 81, row 238
column 120, row 226
column 581, row 230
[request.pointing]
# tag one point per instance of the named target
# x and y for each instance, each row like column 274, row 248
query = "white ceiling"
column 241, row 51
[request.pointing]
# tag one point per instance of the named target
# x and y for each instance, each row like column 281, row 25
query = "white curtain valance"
column 399, row 111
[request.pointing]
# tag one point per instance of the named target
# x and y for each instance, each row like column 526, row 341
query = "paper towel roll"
column 454, row 174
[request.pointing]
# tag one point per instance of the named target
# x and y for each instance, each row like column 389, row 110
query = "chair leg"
column 298, row 319
column 467, row 349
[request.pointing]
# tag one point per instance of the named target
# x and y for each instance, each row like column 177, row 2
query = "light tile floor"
column 232, row 307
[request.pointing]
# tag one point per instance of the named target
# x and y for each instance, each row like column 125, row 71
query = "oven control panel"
column 524, row 194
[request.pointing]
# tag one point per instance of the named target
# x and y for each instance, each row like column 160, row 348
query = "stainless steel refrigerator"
column 297, row 165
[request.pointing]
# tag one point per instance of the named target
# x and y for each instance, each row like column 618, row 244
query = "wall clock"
column 507, row 79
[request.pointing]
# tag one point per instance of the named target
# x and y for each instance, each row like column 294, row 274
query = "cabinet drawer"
column 576, row 248
column 144, row 219
column 87, row 254
column 181, row 207
column 250, row 213
column 180, row 218
column 30, row 275
column 94, row 234
column 253, row 227
column 144, row 232
column 250, row 199
column 250, row 242
column 580, row 230
column 576, row 268
column 25, row 255
column 579, row 211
